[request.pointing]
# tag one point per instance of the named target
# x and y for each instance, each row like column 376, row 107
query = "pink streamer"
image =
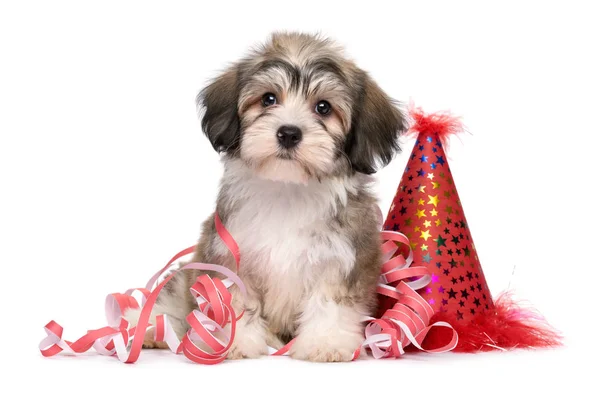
column 213, row 324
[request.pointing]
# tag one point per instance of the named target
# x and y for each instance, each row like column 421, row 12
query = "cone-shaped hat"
column 428, row 210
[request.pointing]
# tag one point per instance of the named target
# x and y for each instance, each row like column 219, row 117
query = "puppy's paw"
column 247, row 349
column 250, row 342
column 330, row 348
column 152, row 344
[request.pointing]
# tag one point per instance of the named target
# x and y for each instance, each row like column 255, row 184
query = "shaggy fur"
column 303, row 217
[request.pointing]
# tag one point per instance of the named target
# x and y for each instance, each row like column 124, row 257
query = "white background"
column 105, row 174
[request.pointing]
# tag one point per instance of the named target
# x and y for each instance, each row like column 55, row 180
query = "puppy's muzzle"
column 289, row 136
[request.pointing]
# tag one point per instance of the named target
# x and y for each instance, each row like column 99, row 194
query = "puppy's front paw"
column 249, row 342
column 330, row 348
column 247, row 349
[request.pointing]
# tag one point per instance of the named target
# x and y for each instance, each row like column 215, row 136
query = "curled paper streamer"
column 407, row 322
column 209, row 338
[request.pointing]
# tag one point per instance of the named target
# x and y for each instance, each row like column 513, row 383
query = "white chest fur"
column 284, row 229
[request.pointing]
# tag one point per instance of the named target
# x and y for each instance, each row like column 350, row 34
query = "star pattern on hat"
column 427, row 209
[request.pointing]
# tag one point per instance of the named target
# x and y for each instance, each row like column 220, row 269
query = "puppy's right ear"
column 220, row 121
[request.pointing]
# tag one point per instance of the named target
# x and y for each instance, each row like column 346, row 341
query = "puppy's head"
column 296, row 108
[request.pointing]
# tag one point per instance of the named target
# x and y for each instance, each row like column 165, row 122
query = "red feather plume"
column 442, row 124
column 504, row 327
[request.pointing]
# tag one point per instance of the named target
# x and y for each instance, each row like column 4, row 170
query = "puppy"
column 300, row 128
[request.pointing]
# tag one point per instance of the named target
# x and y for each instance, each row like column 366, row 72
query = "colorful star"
column 430, row 175
column 423, row 159
column 433, row 212
column 422, row 189
column 425, row 235
column 433, row 200
column 427, row 259
column 424, row 247
column 438, row 222
column 435, row 185
column 422, row 202
column 427, row 223
column 440, row 241
column 420, row 213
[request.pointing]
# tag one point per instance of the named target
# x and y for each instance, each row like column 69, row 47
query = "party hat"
column 428, row 210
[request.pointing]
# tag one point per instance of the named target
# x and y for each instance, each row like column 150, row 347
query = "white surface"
column 105, row 173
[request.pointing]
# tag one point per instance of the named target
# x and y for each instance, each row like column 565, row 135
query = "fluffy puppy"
column 300, row 128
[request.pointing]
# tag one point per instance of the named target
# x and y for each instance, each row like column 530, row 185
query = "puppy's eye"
column 269, row 99
column 323, row 108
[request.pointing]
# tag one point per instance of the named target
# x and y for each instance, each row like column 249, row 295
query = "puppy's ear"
column 220, row 121
column 376, row 125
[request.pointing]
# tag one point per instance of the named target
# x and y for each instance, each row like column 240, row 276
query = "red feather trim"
column 507, row 326
column 442, row 124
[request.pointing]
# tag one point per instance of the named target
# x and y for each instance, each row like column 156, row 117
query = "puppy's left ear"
column 219, row 101
column 377, row 124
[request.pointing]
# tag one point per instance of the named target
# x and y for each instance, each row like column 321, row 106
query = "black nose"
column 289, row 136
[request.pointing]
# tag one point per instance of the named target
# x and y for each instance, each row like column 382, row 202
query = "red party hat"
column 427, row 209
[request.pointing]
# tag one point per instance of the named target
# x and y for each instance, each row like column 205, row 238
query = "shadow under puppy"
column 300, row 127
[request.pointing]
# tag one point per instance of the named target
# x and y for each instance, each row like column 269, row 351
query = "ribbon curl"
column 408, row 320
